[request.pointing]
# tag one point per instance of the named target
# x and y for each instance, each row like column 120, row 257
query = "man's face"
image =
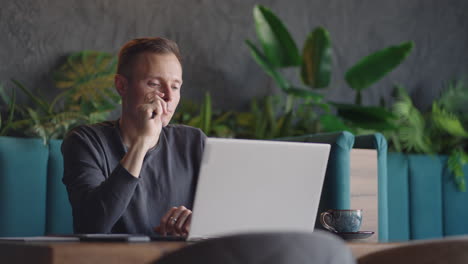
column 153, row 72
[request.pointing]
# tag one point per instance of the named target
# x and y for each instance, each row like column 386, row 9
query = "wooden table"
column 135, row 253
column 360, row 249
column 84, row 253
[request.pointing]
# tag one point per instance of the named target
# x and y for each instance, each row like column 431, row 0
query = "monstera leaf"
column 90, row 75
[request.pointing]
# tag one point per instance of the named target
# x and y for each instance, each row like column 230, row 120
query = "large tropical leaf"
column 367, row 117
column 374, row 67
column 332, row 123
column 262, row 60
column 317, row 59
column 277, row 43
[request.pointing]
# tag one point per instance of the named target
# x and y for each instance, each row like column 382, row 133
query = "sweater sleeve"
column 98, row 201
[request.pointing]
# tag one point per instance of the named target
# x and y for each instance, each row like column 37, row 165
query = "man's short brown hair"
column 134, row 47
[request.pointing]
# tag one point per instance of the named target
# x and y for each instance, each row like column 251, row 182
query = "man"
column 137, row 174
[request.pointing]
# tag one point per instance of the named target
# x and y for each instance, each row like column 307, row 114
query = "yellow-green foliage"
column 88, row 96
column 89, row 73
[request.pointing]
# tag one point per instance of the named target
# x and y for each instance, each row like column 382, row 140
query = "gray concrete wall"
column 37, row 34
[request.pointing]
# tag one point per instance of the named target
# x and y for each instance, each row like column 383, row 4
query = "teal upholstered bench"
column 417, row 197
column 33, row 200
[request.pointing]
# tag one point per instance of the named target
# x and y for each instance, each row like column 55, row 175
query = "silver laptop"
column 254, row 186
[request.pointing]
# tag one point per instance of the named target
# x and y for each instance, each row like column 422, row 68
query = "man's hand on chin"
column 175, row 222
column 149, row 123
column 144, row 132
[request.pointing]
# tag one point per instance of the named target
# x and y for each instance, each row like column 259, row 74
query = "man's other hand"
column 175, row 222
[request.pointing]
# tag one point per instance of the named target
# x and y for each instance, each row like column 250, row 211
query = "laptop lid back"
column 254, row 185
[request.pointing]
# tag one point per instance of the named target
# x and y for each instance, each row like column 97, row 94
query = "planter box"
column 423, row 201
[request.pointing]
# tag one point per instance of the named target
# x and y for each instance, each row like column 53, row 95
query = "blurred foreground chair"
column 453, row 251
column 265, row 248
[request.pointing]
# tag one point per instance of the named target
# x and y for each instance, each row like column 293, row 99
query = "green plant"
column 264, row 120
column 214, row 123
column 438, row 131
column 411, row 134
column 45, row 120
column 278, row 50
column 454, row 99
column 10, row 112
column 87, row 78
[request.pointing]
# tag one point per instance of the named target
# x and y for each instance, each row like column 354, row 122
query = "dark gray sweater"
column 106, row 198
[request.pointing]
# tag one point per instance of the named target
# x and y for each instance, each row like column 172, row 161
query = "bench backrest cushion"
column 23, row 174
